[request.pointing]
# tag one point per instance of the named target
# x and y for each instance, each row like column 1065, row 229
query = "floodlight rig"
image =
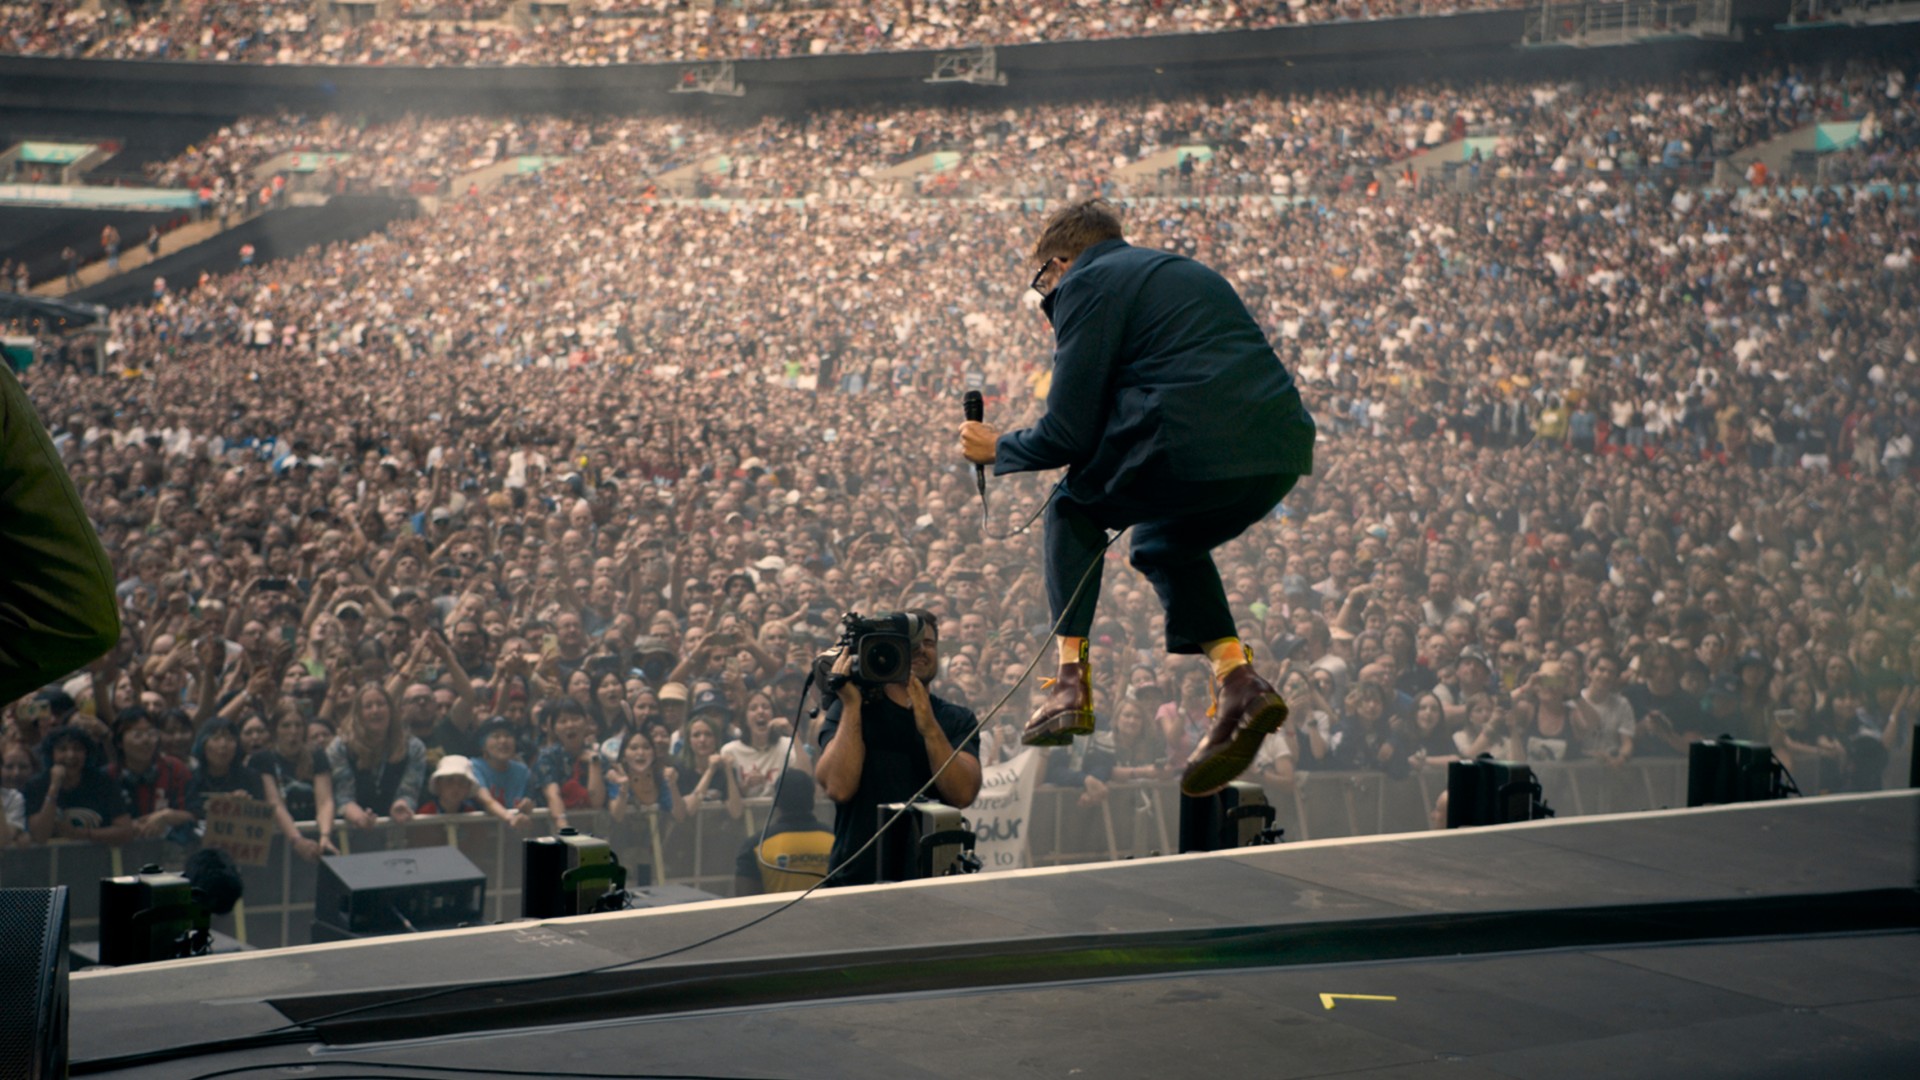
column 1811, row 13
column 977, row 65
column 716, row 79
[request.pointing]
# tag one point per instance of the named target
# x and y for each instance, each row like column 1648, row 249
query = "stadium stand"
column 626, row 31
column 1616, row 381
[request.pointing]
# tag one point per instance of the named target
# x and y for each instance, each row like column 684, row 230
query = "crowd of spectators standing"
column 405, row 155
column 1288, row 145
column 599, row 32
column 549, row 499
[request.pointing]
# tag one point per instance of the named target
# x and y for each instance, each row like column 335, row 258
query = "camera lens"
column 884, row 661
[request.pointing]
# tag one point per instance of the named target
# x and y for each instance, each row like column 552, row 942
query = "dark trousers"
column 1175, row 529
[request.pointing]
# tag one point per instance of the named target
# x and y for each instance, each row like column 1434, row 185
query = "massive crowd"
column 442, row 33
column 1254, row 143
column 572, row 482
column 408, row 155
column 1280, row 144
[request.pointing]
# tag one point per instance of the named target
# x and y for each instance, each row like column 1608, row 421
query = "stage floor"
column 1745, row 941
column 1830, row 1007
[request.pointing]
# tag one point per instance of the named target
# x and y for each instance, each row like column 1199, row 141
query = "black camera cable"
column 294, row 1031
column 979, row 725
column 986, row 521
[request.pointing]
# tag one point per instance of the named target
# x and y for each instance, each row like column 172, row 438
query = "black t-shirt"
column 448, row 738
column 1738, row 724
column 295, row 792
column 1437, row 743
column 1680, row 708
column 95, row 802
column 383, row 780
column 1356, row 747
column 1416, row 680
column 896, row 768
column 239, row 779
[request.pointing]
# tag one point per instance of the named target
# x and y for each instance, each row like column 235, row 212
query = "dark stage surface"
column 1765, row 940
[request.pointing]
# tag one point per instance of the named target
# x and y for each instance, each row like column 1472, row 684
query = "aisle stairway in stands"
column 133, row 256
column 1807, row 143
column 275, row 234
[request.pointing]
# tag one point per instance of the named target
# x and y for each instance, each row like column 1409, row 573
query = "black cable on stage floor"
column 979, row 726
column 440, row 1070
column 295, row 1031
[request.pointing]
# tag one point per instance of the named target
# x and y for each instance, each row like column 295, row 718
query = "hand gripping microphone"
column 976, row 411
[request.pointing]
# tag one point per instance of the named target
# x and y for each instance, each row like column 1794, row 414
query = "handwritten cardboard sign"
column 241, row 826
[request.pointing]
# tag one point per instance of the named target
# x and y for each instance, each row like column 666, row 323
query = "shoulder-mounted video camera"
column 882, row 649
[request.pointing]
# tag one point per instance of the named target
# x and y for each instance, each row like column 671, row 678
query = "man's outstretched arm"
column 1087, row 345
column 57, row 606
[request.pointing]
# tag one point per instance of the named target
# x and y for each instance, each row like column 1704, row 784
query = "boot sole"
column 1060, row 736
column 1203, row 778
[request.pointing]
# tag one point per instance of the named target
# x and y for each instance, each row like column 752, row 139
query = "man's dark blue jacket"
column 1160, row 375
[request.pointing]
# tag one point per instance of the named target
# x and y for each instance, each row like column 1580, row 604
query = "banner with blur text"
column 1001, row 813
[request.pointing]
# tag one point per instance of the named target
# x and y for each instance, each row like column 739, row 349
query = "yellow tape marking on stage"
column 1328, row 999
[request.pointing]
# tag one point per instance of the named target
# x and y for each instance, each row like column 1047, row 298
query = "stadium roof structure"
column 1463, row 44
column 50, row 311
column 1592, row 23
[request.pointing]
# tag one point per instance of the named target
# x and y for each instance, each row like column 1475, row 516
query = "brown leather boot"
column 1068, row 710
column 1248, row 711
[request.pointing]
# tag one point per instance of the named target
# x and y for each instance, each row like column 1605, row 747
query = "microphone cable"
column 980, row 724
column 974, row 412
column 305, row 1028
column 986, row 523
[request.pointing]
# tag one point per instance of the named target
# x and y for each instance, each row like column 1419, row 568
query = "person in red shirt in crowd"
column 155, row 782
column 571, row 771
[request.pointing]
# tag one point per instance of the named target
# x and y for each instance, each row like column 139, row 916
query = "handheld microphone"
column 976, row 411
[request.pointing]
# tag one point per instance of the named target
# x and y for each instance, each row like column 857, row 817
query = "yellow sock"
column 1073, row 650
column 1226, row 653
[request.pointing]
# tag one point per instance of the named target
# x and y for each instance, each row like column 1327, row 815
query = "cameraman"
column 881, row 745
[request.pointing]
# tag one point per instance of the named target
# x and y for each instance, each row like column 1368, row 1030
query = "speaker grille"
column 24, row 915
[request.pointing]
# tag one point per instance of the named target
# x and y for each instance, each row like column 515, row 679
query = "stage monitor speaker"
column 149, row 916
column 653, row 896
column 323, row 932
column 1488, row 792
column 929, row 840
column 86, row 954
column 1236, row 816
column 1729, row 770
column 399, row 892
column 33, row 983
column 568, row 874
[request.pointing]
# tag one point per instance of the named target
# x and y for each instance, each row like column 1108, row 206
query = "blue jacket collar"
column 1085, row 257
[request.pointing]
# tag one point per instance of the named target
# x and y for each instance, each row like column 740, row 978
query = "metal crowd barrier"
column 1136, row 820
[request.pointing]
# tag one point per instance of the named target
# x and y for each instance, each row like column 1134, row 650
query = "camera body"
column 882, row 648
